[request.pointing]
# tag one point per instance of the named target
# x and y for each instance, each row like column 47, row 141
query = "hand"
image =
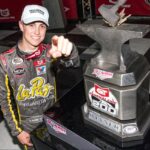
column 24, row 138
column 60, row 47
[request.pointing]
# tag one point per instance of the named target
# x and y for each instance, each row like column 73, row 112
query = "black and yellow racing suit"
column 27, row 82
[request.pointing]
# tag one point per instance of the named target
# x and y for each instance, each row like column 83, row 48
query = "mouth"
column 36, row 38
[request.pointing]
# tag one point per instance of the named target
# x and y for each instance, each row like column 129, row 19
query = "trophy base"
column 123, row 133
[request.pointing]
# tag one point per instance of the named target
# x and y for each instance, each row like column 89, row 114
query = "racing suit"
column 28, row 81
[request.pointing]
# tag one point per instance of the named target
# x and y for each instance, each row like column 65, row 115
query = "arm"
column 7, row 105
column 9, row 111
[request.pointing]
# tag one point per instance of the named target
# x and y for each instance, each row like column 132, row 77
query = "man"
column 26, row 72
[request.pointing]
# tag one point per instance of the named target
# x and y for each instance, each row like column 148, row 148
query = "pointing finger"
column 55, row 40
column 60, row 43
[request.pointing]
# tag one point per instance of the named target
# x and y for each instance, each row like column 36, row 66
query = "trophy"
column 117, row 78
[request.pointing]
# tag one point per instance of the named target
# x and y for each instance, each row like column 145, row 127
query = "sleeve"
column 71, row 61
column 7, row 105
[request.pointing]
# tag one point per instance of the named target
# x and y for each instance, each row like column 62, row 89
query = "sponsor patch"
column 130, row 129
column 19, row 71
column 37, row 11
column 41, row 70
column 39, row 62
column 102, row 99
column 33, row 103
column 35, row 119
column 17, row 61
column 101, row 74
column 38, row 88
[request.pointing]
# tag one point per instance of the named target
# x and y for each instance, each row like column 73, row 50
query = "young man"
column 26, row 72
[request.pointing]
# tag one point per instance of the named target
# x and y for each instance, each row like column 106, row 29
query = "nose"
column 37, row 30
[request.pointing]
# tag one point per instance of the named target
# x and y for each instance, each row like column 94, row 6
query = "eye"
column 43, row 26
column 31, row 24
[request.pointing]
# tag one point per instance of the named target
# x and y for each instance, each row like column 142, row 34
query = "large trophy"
column 117, row 78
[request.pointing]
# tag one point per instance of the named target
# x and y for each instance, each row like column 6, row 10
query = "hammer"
column 110, row 14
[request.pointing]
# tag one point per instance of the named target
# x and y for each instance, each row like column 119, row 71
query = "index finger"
column 55, row 40
column 60, row 43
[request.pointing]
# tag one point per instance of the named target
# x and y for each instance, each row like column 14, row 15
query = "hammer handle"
column 118, row 4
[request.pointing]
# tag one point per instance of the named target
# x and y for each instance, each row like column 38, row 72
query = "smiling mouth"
column 36, row 38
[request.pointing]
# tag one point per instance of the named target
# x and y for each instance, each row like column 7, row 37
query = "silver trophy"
column 117, row 79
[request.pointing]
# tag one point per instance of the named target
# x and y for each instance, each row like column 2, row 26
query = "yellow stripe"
column 25, row 147
column 9, row 104
column 55, row 93
column 18, row 112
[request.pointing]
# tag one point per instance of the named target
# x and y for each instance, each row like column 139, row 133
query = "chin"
column 35, row 44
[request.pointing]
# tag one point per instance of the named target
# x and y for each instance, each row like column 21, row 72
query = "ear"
column 20, row 25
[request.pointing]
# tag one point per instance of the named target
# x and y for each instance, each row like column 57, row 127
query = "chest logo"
column 39, row 62
column 19, row 71
column 17, row 61
column 41, row 70
column 38, row 89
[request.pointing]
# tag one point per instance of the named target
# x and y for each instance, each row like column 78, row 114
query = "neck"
column 27, row 49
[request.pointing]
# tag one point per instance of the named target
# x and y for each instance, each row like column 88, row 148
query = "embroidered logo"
column 19, row 71
column 17, row 61
column 41, row 70
column 38, row 89
column 39, row 62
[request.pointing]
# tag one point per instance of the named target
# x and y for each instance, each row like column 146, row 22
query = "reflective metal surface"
column 117, row 82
